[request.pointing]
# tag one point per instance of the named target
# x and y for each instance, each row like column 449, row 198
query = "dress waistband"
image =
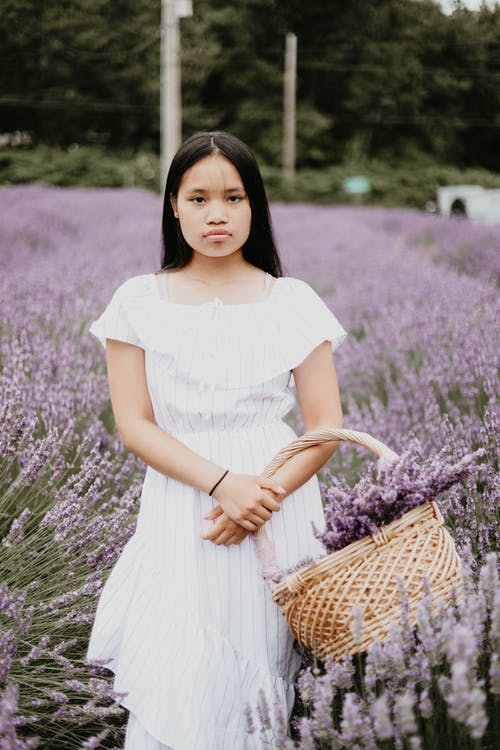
column 231, row 430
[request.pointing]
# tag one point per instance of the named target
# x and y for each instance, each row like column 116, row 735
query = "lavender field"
column 418, row 295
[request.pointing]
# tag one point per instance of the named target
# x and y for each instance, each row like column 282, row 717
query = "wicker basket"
column 318, row 601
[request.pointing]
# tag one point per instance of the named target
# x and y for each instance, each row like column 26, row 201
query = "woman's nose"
column 216, row 213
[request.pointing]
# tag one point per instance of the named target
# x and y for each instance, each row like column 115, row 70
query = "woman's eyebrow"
column 234, row 189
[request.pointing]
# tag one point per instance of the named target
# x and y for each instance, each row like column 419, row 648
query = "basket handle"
column 263, row 545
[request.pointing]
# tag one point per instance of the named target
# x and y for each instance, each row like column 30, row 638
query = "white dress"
column 188, row 626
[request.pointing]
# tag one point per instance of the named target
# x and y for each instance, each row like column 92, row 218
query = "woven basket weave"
column 318, row 601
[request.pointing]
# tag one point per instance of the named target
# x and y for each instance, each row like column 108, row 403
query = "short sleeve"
column 114, row 321
column 320, row 324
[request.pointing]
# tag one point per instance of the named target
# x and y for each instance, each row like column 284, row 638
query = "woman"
column 200, row 359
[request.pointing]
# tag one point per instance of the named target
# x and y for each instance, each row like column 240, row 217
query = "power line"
column 82, row 54
column 277, row 50
column 83, row 104
column 304, row 64
column 215, row 114
column 362, row 68
column 114, row 53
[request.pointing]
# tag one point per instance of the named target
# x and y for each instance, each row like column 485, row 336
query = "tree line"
column 388, row 79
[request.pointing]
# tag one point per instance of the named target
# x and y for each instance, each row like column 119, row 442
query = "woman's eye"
column 199, row 199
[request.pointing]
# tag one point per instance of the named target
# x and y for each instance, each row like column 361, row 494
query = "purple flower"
column 95, row 741
column 381, row 718
column 351, row 514
column 494, row 673
column 465, row 698
column 355, row 724
column 404, row 712
column 424, row 303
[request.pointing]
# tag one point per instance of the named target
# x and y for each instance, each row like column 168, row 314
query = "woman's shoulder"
column 298, row 287
column 304, row 299
column 297, row 282
column 136, row 286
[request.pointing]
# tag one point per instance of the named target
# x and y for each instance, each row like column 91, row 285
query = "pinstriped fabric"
column 188, row 627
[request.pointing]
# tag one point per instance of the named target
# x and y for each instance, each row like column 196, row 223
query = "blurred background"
column 405, row 93
column 386, row 110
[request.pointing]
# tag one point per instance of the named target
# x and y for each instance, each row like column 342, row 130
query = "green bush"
column 409, row 183
column 392, row 185
column 84, row 166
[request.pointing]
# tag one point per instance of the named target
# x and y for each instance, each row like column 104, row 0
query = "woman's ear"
column 173, row 203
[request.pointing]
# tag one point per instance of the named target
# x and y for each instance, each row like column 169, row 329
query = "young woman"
column 200, row 359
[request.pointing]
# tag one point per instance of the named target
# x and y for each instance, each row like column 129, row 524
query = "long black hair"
column 260, row 247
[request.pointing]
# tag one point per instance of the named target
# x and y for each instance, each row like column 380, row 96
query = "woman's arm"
column 319, row 400
column 134, row 418
column 239, row 494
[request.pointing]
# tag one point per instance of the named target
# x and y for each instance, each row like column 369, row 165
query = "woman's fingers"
column 229, row 538
column 268, row 484
column 236, row 539
column 223, row 537
column 214, row 532
column 249, row 518
column 233, row 536
column 271, row 505
column 225, row 532
column 214, row 513
column 267, row 505
column 259, row 517
column 251, row 525
column 246, row 524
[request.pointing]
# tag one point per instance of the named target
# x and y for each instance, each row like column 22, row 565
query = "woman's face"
column 212, row 207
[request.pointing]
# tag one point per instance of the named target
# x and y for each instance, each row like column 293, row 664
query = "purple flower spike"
column 419, row 370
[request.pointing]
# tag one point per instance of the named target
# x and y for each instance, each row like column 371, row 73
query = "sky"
column 447, row 5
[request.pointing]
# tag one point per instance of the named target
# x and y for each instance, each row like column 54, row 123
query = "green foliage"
column 84, row 166
column 81, row 71
column 375, row 78
column 404, row 183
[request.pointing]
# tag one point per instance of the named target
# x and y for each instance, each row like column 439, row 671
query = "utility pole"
column 289, row 107
column 170, row 82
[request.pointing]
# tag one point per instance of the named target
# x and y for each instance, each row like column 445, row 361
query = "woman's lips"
column 217, row 236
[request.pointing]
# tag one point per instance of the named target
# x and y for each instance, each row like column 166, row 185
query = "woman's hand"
column 225, row 531
column 244, row 499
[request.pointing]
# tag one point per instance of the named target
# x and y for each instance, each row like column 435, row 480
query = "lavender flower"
column 248, row 716
column 351, row 514
column 263, row 711
column 324, row 693
column 355, row 724
column 425, row 704
column 9, row 738
column 404, row 711
column 357, row 624
column 95, row 741
column 69, row 490
column 381, row 718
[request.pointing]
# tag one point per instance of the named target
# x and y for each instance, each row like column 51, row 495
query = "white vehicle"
column 471, row 201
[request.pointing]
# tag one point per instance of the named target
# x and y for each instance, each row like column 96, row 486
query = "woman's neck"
column 218, row 270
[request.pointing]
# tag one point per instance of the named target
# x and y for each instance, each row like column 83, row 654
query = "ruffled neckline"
column 215, row 301
column 233, row 346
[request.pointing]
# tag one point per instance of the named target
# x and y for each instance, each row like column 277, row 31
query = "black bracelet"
column 220, row 480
